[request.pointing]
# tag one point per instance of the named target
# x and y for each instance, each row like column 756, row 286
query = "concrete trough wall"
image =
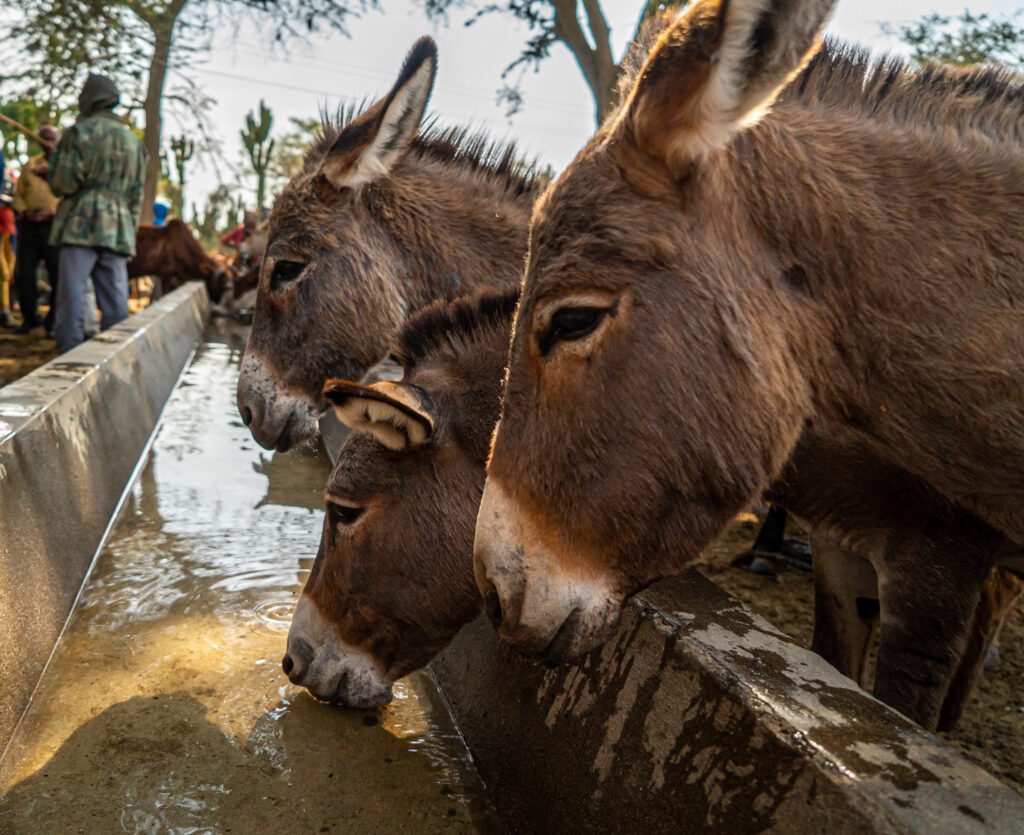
column 71, row 435
column 699, row 716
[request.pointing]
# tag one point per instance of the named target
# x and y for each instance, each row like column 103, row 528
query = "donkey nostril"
column 492, row 605
column 247, row 420
column 287, row 664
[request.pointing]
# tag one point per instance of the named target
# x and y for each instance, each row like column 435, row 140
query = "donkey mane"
column 442, row 324
column 985, row 99
column 472, row 150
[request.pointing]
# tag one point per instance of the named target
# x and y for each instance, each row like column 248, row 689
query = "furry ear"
column 366, row 149
column 396, row 414
column 718, row 69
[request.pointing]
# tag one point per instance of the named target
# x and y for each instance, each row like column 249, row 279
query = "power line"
column 552, row 130
column 379, row 75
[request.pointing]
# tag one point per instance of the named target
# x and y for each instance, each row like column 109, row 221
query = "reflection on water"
column 165, row 710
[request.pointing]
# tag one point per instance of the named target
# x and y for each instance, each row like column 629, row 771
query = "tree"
column 964, row 39
column 257, row 141
column 290, row 151
column 182, row 149
column 216, row 216
column 578, row 25
column 52, row 42
column 32, row 114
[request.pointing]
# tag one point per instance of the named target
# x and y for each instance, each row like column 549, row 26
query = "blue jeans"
column 109, row 273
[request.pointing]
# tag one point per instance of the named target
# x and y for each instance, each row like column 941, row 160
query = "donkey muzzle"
column 328, row 667
column 277, row 418
column 534, row 602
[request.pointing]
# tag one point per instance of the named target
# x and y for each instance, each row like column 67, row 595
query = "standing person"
column 36, row 205
column 8, row 230
column 98, row 169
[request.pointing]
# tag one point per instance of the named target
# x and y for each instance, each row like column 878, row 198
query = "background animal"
column 384, row 218
column 172, row 255
column 766, row 249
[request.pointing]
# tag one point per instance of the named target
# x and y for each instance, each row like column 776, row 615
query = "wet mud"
column 164, row 708
column 991, row 731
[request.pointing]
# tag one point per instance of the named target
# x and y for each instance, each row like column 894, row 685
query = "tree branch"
column 600, row 31
column 569, row 32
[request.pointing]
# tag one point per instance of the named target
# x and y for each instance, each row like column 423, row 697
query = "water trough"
column 71, row 435
column 698, row 717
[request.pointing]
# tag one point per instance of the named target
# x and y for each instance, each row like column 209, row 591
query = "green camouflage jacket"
column 98, row 169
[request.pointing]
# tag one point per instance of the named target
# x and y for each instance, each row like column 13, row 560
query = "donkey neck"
column 911, row 286
column 456, row 230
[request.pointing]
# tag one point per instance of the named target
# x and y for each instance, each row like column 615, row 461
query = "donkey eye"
column 285, row 272
column 343, row 514
column 571, row 323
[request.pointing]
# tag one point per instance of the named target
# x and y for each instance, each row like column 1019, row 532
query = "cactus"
column 257, row 141
column 183, row 149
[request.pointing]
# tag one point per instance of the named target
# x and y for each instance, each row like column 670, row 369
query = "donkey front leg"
column 845, row 606
column 928, row 608
column 1000, row 592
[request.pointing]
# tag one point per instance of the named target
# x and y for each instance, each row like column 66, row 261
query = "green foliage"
column 32, row 114
column 182, row 149
column 259, row 145
column 217, row 216
column 964, row 39
column 290, row 151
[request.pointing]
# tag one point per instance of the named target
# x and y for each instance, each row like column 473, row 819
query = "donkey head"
column 331, row 288
column 393, row 581
column 649, row 315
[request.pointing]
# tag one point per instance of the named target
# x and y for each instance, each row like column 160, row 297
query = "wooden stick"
column 31, row 134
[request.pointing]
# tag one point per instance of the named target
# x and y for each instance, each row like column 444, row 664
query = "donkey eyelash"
column 571, row 323
column 341, row 514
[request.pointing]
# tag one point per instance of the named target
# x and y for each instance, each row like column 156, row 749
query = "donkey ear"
column 396, row 414
column 368, row 147
column 717, row 70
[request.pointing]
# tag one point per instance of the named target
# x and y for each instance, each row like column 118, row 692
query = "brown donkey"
column 384, row 218
column 393, row 580
column 833, row 261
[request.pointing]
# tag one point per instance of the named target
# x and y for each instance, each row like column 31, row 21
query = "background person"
column 8, row 231
column 161, row 209
column 36, row 205
column 98, row 169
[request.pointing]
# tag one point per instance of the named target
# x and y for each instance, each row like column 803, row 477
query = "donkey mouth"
column 559, row 648
column 350, row 691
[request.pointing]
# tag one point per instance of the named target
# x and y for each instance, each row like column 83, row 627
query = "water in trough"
column 164, row 708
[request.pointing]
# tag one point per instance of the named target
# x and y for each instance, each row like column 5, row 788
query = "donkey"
column 815, row 249
column 384, row 218
column 393, row 578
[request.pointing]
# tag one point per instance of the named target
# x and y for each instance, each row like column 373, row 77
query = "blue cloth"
column 160, row 211
column 109, row 272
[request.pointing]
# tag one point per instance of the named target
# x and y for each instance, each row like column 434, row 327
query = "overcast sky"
column 558, row 114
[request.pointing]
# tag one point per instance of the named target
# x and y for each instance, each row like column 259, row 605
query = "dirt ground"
column 21, row 354
column 991, row 731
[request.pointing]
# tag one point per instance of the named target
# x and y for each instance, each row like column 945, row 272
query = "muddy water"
column 164, row 708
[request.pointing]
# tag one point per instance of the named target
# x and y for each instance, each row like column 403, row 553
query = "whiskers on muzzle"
column 535, row 604
column 328, row 667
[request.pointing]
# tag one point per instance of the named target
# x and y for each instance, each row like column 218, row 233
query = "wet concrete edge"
column 71, row 435
column 699, row 716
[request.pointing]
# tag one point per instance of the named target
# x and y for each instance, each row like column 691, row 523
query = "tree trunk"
column 162, row 26
column 596, row 63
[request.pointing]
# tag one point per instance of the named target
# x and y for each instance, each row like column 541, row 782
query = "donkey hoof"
column 756, row 563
